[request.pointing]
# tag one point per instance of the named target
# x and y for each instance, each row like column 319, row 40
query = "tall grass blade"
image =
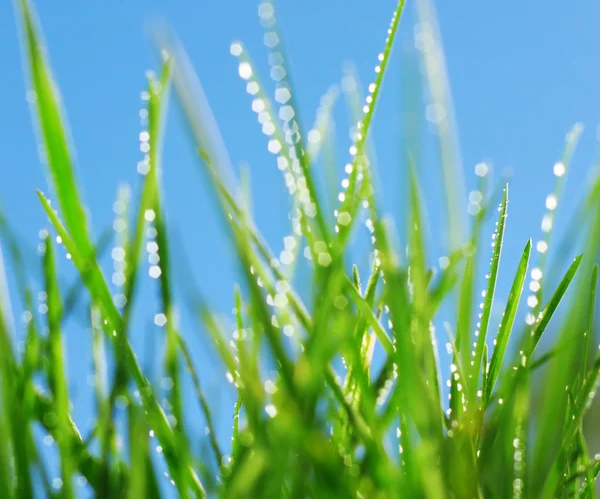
column 492, row 277
column 57, row 373
column 508, row 319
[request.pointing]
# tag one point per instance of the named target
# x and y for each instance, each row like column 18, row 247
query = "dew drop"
column 245, row 70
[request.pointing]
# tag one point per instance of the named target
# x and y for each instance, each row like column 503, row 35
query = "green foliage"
column 356, row 407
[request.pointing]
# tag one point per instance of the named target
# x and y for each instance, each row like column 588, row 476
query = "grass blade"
column 590, row 319
column 57, row 373
column 428, row 41
column 489, row 297
column 359, row 164
column 54, row 134
column 508, row 319
column 550, row 308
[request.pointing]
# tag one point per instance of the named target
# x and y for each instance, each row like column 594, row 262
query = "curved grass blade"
column 508, row 319
column 54, row 134
column 550, row 308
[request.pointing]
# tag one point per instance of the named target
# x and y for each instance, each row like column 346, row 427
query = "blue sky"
column 522, row 73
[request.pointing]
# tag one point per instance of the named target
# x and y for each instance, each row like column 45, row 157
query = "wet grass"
column 354, row 404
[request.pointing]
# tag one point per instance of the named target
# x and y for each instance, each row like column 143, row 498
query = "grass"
column 356, row 407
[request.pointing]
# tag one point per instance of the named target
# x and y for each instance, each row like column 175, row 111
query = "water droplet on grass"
column 559, row 169
column 481, row 169
column 245, row 70
column 551, row 202
column 271, row 410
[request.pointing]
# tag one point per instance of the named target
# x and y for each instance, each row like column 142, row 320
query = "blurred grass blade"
column 428, row 41
column 590, row 331
column 143, row 482
column 310, row 202
column 14, row 479
column 203, row 402
column 158, row 90
column 425, row 350
column 57, row 373
column 580, row 406
column 367, row 313
column 552, row 201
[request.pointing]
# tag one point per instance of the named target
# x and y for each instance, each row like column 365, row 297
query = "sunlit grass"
column 340, row 391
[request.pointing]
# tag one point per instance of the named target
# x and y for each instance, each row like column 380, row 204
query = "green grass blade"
column 143, row 481
column 158, row 91
column 508, row 319
column 105, row 423
column 202, row 399
column 54, row 133
column 57, row 373
column 489, row 297
column 550, row 308
column 580, row 406
column 429, row 43
column 590, row 319
column 88, row 465
column 311, row 203
column 553, row 200
column 5, row 458
column 17, row 478
column 359, row 163
column 367, row 313
column 422, row 336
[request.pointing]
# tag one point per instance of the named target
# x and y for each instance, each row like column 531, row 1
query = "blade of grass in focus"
column 481, row 333
column 508, row 319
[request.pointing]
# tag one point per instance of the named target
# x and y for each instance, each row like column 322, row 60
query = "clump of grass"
column 356, row 407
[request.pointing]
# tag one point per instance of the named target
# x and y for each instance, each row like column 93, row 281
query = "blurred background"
column 522, row 74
